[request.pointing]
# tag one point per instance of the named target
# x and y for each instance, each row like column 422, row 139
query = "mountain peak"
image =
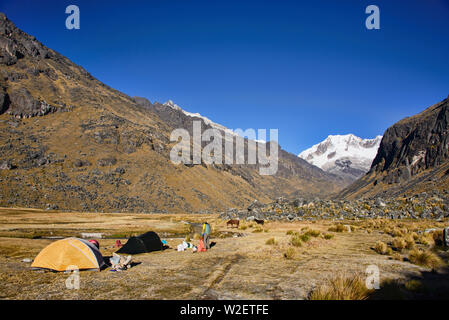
column 345, row 155
column 172, row 105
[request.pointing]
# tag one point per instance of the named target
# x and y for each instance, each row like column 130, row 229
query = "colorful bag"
column 201, row 247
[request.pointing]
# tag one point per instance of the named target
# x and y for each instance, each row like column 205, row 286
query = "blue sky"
column 309, row 69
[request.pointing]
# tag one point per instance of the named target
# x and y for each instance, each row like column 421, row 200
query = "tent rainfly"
column 146, row 242
column 68, row 255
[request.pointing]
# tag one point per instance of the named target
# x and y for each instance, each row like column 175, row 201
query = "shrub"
column 270, row 241
column 243, row 227
column 342, row 288
column 381, row 247
column 328, row 236
column 290, row 232
column 426, row 259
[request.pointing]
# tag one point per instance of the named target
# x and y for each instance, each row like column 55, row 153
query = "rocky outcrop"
column 433, row 205
column 4, row 101
column 409, row 149
column 415, row 144
column 15, row 44
column 23, row 105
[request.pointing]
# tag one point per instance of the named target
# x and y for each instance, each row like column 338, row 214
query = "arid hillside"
column 412, row 157
column 69, row 142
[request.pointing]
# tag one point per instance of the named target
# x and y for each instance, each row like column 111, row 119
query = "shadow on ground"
column 430, row 285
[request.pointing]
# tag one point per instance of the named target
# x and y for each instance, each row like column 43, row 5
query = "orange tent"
column 68, row 255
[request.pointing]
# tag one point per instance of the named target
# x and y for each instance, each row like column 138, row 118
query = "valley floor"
column 241, row 265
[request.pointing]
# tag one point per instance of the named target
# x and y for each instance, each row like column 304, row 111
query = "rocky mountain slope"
column 70, row 142
column 347, row 156
column 412, row 157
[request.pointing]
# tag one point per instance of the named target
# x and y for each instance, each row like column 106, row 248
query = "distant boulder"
column 107, row 161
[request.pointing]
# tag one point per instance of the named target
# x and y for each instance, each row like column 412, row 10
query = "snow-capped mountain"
column 206, row 120
column 344, row 155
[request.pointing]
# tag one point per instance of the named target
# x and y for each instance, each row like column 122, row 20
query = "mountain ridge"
column 74, row 143
column 413, row 157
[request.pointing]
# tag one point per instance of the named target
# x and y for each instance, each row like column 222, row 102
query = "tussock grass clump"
column 304, row 237
column 342, row 288
column 438, row 237
column 399, row 244
column 328, row 236
column 338, row 228
column 381, row 247
column 396, row 256
column 291, row 232
column 313, row 233
column 414, row 285
column 426, row 239
column 426, row 259
column 270, row 242
column 243, row 227
column 396, row 232
column 410, row 242
column 289, row 253
column 258, row 230
column 187, row 238
column 296, row 241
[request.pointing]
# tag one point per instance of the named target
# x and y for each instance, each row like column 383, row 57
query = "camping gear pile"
column 205, row 231
column 120, row 263
column 186, row 245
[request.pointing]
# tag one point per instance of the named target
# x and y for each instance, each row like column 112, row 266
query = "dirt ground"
column 241, row 265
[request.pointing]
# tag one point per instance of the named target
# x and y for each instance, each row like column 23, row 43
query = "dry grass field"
column 282, row 260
